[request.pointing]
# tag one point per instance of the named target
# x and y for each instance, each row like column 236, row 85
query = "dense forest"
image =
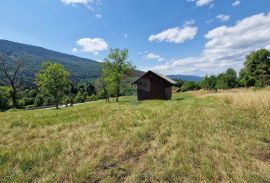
column 34, row 77
column 81, row 69
column 53, row 84
column 255, row 73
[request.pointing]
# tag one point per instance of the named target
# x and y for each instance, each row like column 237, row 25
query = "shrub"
column 21, row 103
column 29, row 101
column 92, row 98
column 24, row 94
column 66, row 100
column 33, row 93
column 39, row 101
column 208, row 83
column 189, row 86
column 48, row 101
column 79, row 98
column 4, row 98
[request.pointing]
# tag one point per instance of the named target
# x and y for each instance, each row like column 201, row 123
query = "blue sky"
column 180, row 37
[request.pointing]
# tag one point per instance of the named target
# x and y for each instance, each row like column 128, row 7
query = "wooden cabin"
column 152, row 85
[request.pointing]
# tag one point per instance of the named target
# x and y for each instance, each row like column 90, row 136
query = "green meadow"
column 192, row 138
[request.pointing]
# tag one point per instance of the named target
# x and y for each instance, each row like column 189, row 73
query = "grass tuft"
column 196, row 137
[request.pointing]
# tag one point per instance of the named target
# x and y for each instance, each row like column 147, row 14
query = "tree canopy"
column 256, row 69
column 114, row 68
column 4, row 98
column 12, row 76
column 227, row 80
column 208, row 83
column 53, row 80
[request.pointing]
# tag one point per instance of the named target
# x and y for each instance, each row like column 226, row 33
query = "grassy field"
column 196, row 137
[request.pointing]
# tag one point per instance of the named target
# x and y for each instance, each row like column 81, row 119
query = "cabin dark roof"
column 169, row 80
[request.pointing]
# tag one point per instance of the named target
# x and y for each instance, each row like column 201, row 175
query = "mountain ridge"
column 81, row 69
column 186, row 77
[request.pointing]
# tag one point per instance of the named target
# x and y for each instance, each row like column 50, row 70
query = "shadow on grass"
column 131, row 102
column 125, row 101
column 178, row 99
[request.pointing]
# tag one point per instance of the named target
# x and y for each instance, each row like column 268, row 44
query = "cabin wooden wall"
column 153, row 87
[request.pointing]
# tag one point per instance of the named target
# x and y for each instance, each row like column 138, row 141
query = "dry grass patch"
column 258, row 100
column 188, row 139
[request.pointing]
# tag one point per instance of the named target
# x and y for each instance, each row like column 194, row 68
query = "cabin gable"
column 153, row 86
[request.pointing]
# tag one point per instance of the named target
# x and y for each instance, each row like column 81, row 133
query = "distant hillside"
column 81, row 69
column 186, row 77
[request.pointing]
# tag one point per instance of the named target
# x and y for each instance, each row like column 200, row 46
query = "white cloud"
column 236, row 3
column 73, row 2
column 74, row 50
column 153, row 56
column 90, row 45
column 211, row 6
column 175, row 35
column 202, row 2
column 89, row 4
column 98, row 15
column 223, row 18
column 210, row 21
column 226, row 47
column 189, row 22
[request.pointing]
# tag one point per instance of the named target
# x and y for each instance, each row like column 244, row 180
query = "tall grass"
column 188, row 139
column 254, row 99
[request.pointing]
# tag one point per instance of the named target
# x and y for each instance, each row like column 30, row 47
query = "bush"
column 29, row 101
column 33, row 93
column 39, row 101
column 79, row 98
column 92, row 98
column 256, row 69
column 21, row 103
column 48, row 101
column 66, row 100
column 189, row 86
column 4, row 98
column 24, row 94
column 208, row 83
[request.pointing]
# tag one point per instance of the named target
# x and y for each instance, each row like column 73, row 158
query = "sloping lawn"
column 188, row 139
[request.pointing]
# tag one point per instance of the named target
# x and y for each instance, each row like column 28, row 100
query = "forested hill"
column 186, row 77
column 81, row 69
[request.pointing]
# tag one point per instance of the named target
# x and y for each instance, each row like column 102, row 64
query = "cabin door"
column 157, row 90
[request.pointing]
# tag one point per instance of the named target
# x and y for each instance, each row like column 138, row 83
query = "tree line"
column 255, row 73
column 54, row 87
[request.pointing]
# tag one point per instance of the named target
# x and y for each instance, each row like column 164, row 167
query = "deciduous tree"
column 256, row 69
column 4, row 97
column 227, row 80
column 53, row 80
column 114, row 69
column 12, row 76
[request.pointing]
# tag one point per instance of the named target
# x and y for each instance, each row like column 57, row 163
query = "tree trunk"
column 71, row 102
column 117, row 91
column 57, row 102
column 106, row 94
column 14, row 98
